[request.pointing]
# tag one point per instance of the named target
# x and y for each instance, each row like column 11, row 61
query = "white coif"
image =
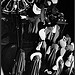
column 36, row 10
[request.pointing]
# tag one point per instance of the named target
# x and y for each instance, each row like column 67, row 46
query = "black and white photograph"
column 37, row 37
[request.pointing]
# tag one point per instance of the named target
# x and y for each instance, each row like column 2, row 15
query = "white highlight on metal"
column 54, row 29
column 48, row 72
column 48, row 50
column 70, row 57
column 42, row 34
column 56, row 67
column 2, row 71
column 54, row 1
column 62, row 52
column 59, row 58
column 72, row 45
column 70, row 60
column 31, row 1
column 2, row 1
column 23, row 17
column 39, row 46
column 49, row 3
column 15, row 6
column 68, row 63
column 36, row 10
column 35, row 54
column 13, row 46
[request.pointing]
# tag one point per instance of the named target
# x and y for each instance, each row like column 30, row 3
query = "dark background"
column 67, row 7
